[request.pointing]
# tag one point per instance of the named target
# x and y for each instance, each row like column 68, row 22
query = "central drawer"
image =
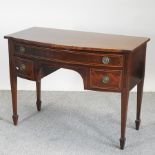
column 69, row 56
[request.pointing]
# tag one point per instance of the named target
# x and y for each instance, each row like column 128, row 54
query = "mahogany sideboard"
column 105, row 62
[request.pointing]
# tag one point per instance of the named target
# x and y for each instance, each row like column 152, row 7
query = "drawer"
column 25, row 68
column 69, row 56
column 106, row 79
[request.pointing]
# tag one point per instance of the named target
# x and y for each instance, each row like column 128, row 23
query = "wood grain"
column 68, row 56
column 115, row 79
column 79, row 40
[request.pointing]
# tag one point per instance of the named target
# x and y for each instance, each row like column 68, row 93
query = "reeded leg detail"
column 139, row 102
column 38, row 91
column 124, row 108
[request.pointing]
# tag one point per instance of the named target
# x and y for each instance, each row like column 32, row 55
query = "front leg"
column 124, row 108
column 13, row 82
column 139, row 102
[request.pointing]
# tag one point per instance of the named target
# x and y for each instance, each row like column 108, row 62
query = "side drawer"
column 25, row 68
column 69, row 56
column 106, row 79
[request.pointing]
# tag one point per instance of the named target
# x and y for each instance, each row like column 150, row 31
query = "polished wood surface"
column 114, row 79
column 105, row 62
column 68, row 56
column 24, row 67
column 79, row 40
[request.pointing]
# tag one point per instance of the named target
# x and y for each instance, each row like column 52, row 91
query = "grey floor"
column 75, row 123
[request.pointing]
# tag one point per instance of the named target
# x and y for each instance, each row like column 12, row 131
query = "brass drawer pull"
column 105, row 79
column 22, row 49
column 105, row 60
column 22, row 67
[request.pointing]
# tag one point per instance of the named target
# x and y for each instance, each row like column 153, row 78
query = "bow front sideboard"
column 106, row 62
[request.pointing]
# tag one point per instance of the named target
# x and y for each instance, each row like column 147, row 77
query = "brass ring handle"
column 105, row 79
column 105, row 60
column 22, row 49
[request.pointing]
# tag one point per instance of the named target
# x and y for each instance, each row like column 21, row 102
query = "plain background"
column 127, row 17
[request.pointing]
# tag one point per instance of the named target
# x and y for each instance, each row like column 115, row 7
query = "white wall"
column 128, row 17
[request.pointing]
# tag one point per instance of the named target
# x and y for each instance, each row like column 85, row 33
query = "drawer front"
column 67, row 56
column 106, row 79
column 25, row 68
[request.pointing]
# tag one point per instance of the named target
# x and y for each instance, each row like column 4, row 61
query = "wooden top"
column 79, row 40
